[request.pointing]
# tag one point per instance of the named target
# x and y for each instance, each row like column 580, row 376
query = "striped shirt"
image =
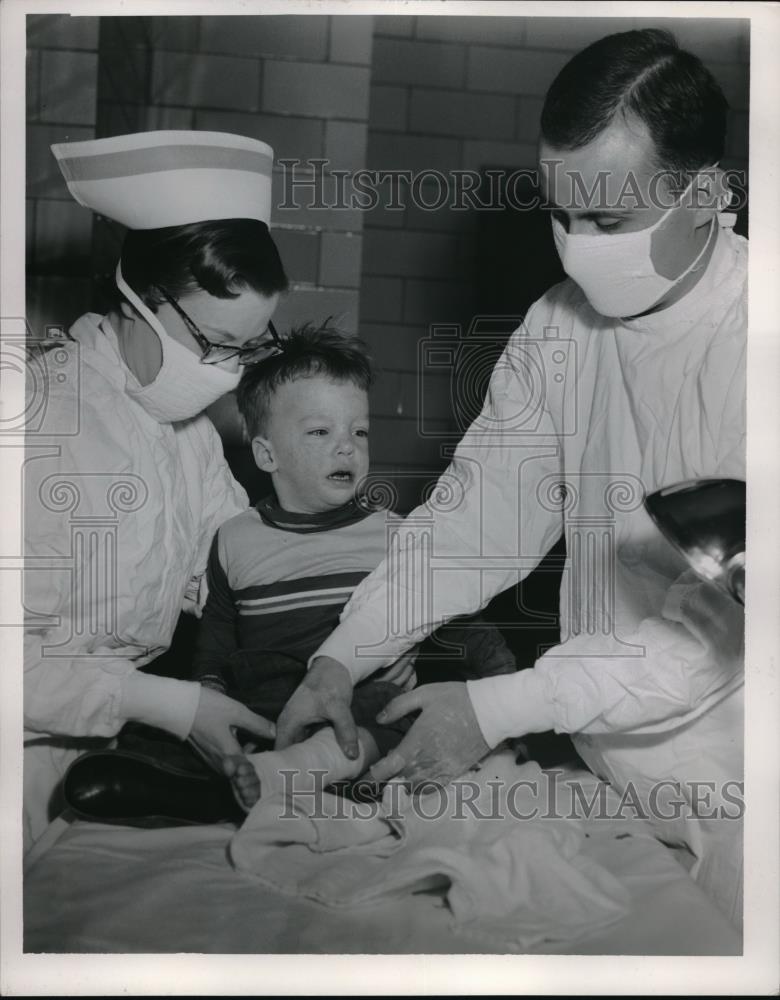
column 278, row 582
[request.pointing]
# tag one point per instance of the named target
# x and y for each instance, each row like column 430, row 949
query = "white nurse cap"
column 149, row 180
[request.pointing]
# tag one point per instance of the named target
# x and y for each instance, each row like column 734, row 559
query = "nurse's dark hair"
column 223, row 258
column 308, row 351
column 647, row 75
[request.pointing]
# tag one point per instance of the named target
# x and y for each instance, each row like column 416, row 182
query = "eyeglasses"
column 213, row 354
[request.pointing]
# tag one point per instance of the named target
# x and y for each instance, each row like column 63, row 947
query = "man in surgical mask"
column 641, row 357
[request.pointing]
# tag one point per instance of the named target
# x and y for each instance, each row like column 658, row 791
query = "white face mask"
column 183, row 387
column 616, row 273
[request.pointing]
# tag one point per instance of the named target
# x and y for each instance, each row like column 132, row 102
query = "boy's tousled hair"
column 308, row 351
column 645, row 74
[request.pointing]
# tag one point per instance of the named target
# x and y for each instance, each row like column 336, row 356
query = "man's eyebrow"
column 552, row 206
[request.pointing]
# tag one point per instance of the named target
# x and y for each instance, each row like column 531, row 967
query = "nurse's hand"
column 444, row 741
column 324, row 695
column 216, row 720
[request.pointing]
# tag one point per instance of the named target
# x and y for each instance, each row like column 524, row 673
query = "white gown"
column 649, row 671
column 120, row 511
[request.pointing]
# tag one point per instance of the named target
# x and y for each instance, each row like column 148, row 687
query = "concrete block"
column 428, row 301
column 403, row 394
column 437, row 64
column 316, row 305
column 351, row 38
column 177, row 34
column 61, row 31
column 29, row 233
column 33, row 83
column 345, row 145
column 388, row 107
column 408, row 254
column 289, row 137
column 574, row 33
column 392, row 344
column 326, row 90
column 123, row 74
column 381, row 299
column 528, row 116
column 440, row 215
column 341, row 256
column 44, row 179
column 383, row 217
column 68, row 87
column 500, row 30
column 205, row 81
column 300, row 251
column 455, row 113
column 56, row 301
column 388, row 151
column 482, row 153
column 395, row 440
column 513, row 71
column 294, row 36
column 394, row 25
column 63, row 237
column 158, row 117
column 325, row 206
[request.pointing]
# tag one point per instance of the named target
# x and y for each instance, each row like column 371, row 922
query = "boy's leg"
column 319, row 761
column 308, row 767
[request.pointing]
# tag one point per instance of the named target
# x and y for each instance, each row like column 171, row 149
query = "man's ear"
column 709, row 192
column 127, row 311
column 263, row 453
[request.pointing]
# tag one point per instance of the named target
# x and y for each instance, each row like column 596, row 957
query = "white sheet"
column 102, row 888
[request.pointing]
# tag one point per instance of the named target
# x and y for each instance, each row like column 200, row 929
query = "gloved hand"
column 213, row 730
column 324, row 695
column 444, row 741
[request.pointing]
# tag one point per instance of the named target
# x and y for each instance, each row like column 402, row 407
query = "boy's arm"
column 216, row 639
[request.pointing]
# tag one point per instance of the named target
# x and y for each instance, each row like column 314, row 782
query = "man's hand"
column 217, row 718
column 324, row 695
column 444, row 742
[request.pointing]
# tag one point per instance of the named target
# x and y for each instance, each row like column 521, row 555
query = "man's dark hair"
column 308, row 351
column 223, row 258
column 646, row 74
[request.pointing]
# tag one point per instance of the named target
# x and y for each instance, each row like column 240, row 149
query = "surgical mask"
column 616, row 273
column 183, row 387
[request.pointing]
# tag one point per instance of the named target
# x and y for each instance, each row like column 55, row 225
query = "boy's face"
column 316, row 443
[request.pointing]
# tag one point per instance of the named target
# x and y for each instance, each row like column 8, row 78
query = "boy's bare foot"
column 320, row 755
column 243, row 779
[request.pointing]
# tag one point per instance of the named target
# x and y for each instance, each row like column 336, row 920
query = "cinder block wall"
column 406, row 92
column 466, row 93
column 62, row 67
column 298, row 83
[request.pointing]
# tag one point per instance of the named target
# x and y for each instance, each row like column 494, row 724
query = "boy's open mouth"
column 341, row 477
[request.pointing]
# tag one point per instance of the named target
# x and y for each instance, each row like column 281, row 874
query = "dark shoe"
column 114, row 786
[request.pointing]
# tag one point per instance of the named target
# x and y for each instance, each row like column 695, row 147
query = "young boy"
column 280, row 573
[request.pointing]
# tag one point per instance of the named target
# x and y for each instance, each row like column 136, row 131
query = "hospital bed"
column 92, row 888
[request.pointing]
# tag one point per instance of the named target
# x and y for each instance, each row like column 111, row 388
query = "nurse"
column 627, row 377
column 126, row 481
